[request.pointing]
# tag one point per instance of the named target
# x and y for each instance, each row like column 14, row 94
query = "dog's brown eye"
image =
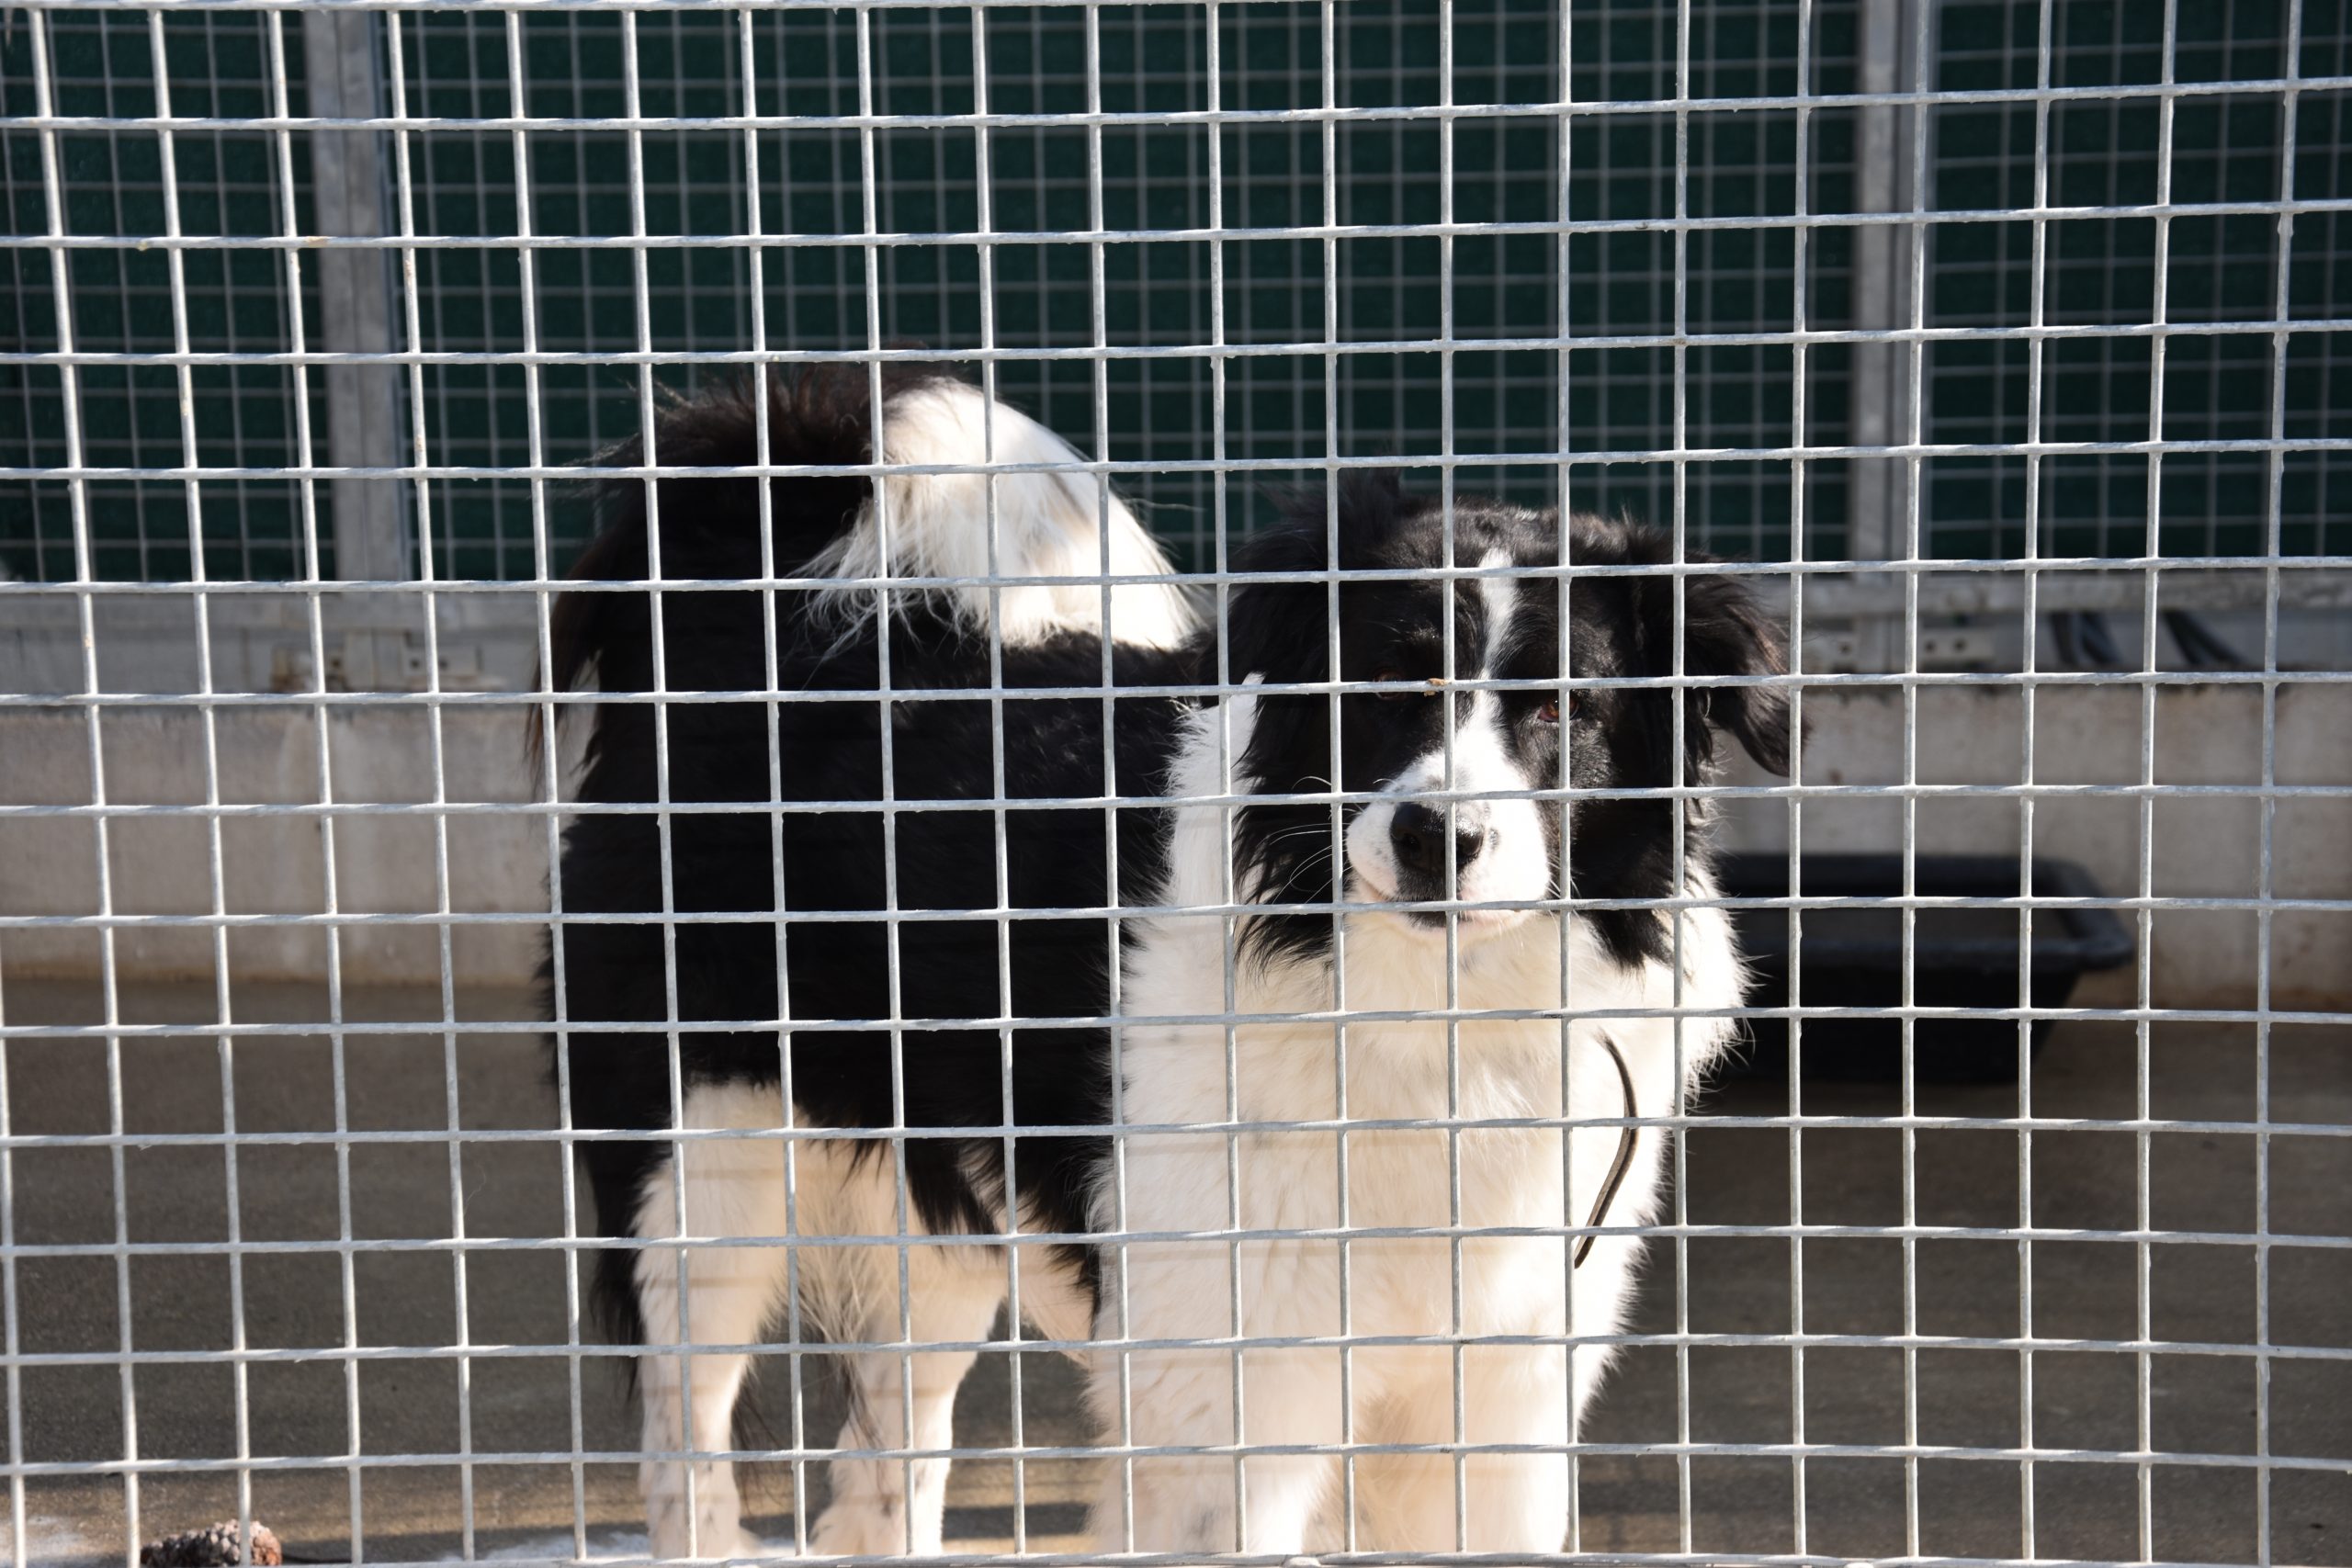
column 1550, row 712
column 1386, row 675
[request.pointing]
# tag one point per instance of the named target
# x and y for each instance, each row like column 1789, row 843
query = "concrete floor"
column 2081, row 1179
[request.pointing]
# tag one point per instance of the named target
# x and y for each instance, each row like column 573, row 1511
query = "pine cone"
column 216, row 1547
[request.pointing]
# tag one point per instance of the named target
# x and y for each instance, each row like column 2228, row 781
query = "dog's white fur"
column 1397, row 1182
column 1521, row 1196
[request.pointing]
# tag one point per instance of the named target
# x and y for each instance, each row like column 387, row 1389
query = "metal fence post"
column 1880, row 394
column 341, row 52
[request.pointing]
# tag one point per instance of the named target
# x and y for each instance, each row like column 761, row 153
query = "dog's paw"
column 865, row 1526
column 716, row 1535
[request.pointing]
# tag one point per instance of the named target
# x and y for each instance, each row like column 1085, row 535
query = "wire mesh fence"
column 1996, row 1214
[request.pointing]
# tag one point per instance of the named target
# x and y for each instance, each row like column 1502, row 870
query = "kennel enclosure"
column 2004, row 342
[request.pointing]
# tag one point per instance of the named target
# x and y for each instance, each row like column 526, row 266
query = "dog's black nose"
column 1418, row 837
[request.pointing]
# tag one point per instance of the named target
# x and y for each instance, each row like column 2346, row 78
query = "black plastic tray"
column 1964, row 956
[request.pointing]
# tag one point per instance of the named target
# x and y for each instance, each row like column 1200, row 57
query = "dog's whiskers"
column 1308, row 831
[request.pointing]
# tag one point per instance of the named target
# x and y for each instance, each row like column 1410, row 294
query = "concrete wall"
column 2207, row 846
column 275, row 865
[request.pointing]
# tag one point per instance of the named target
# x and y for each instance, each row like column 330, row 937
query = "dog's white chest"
column 1412, row 1177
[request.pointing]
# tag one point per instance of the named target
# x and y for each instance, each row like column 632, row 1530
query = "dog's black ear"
column 1723, row 632
column 1728, row 633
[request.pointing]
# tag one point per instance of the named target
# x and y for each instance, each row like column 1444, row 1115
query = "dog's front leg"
column 1507, row 1492
column 1166, row 1494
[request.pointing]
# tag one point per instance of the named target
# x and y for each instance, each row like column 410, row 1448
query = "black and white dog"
column 904, row 974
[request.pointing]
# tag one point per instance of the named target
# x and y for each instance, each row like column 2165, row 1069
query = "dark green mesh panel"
column 1740, row 164
column 229, row 183
column 2226, row 148
column 1155, row 293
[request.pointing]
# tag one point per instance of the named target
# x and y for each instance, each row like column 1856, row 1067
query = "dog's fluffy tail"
column 1050, row 521
column 1050, row 527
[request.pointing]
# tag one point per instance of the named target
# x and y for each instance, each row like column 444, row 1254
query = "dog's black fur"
column 729, row 872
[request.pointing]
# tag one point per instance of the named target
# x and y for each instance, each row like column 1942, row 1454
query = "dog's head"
column 1471, row 719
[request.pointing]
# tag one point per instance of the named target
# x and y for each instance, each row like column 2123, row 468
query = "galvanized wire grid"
column 346, row 451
